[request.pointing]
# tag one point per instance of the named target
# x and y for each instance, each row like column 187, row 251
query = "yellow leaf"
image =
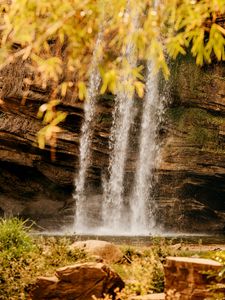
column 82, row 91
column 61, row 116
column 41, row 138
column 48, row 116
column 64, row 86
column 140, row 88
column 42, row 110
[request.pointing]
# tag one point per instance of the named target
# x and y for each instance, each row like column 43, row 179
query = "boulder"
column 78, row 282
column 105, row 250
column 187, row 278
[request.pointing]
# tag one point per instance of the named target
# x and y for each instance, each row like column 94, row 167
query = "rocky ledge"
column 190, row 185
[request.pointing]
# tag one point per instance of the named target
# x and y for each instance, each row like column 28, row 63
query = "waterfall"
column 142, row 204
column 131, row 214
column 113, row 200
column 85, row 141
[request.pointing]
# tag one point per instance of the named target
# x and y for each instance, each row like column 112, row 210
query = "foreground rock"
column 187, row 278
column 107, row 251
column 78, row 282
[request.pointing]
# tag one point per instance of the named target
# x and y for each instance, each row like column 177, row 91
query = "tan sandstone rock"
column 105, row 250
column 78, row 282
column 186, row 277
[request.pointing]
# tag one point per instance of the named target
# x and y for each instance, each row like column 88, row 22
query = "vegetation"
column 14, row 239
column 23, row 258
column 218, row 287
column 57, row 40
column 201, row 127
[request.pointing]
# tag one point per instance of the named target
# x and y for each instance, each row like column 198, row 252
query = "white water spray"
column 85, row 141
column 142, row 205
column 136, row 217
column 113, row 200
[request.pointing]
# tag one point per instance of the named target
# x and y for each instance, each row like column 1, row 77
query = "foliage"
column 217, row 288
column 14, row 238
column 51, row 119
column 143, row 271
column 22, row 258
column 37, row 25
column 142, row 268
column 58, row 40
column 199, row 125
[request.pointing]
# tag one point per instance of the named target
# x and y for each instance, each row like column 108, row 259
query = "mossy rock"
column 199, row 126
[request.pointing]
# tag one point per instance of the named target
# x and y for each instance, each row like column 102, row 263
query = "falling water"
column 122, row 120
column 140, row 210
column 85, row 141
column 142, row 206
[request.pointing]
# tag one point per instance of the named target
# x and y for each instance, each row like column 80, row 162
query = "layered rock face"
column 190, row 186
column 191, row 173
column 32, row 185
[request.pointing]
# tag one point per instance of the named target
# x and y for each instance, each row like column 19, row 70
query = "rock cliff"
column 190, row 188
column 191, row 174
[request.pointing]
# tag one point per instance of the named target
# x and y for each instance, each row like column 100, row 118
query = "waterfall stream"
column 142, row 205
column 85, row 141
column 113, row 198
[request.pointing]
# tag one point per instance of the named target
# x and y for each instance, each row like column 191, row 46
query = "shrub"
column 14, row 238
column 23, row 258
column 217, row 287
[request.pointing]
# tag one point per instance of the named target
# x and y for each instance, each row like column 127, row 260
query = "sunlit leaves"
column 82, row 90
column 176, row 45
column 109, row 81
column 139, row 88
column 58, row 39
column 51, row 68
column 193, row 23
column 181, row 24
column 51, row 118
column 216, row 42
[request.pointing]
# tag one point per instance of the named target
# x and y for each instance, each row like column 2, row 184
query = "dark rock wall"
column 190, row 188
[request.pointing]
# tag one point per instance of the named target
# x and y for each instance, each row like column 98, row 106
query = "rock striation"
column 191, row 172
column 190, row 175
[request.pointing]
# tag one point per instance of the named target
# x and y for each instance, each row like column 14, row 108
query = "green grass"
column 23, row 258
column 14, row 238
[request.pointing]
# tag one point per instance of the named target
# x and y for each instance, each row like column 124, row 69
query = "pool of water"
column 145, row 240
